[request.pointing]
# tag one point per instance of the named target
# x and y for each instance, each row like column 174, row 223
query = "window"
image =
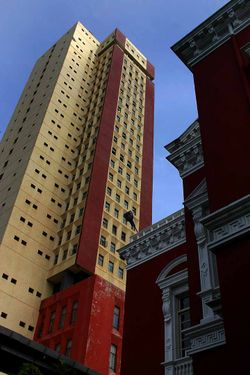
column 103, row 241
column 114, row 230
column 78, row 229
column 74, row 249
column 68, row 347
column 116, row 213
column 111, row 266
column 62, row 317
column 117, row 198
column 105, row 223
column 120, row 272
column 112, row 357
column 126, row 189
column 52, row 321
column 100, row 259
column 126, row 204
column 123, row 236
column 116, row 317
column 74, row 312
column 174, row 287
column 119, row 183
column 65, row 253
column 112, row 247
column 183, row 313
column 120, row 170
column 111, row 176
column 109, row 191
column 107, row 206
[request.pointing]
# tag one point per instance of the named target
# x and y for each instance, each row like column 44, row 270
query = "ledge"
column 206, row 336
column 228, row 223
column 155, row 240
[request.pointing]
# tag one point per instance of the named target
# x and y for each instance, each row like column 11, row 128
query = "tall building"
column 76, row 155
column 188, row 275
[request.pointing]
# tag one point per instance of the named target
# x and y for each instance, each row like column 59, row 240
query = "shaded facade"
column 195, row 309
column 75, row 157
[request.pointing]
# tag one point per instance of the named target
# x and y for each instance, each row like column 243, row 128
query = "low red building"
column 186, row 309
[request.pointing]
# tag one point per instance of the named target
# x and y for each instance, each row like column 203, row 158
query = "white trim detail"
column 215, row 31
column 197, row 202
column 170, row 266
column 206, row 336
column 155, row 240
column 228, row 223
column 186, row 152
column 172, row 286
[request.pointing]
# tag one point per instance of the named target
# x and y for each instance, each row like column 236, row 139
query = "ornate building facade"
column 187, row 282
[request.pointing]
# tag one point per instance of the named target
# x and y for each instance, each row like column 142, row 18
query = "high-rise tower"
column 75, row 157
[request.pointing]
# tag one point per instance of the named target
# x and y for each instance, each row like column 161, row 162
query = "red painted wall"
column 143, row 343
column 89, row 240
column 93, row 332
column 78, row 332
column 101, row 333
column 223, row 96
column 147, row 158
column 233, row 262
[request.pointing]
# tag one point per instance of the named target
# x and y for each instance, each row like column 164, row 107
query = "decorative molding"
column 155, row 240
column 169, row 267
column 198, row 196
column 246, row 50
column 228, row 223
column 186, row 152
column 172, row 286
column 214, row 32
column 206, row 336
column 197, row 202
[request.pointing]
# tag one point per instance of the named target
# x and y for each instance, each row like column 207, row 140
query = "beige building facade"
column 46, row 171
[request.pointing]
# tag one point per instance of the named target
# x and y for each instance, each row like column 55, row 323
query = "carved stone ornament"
column 186, row 152
column 212, row 33
column 228, row 223
column 155, row 240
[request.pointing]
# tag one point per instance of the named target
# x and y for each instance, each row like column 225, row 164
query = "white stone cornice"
column 155, row 240
column 228, row 223
column 186, row 152
column 212, row 33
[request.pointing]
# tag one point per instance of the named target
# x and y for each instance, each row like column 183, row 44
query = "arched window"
column 175, row 308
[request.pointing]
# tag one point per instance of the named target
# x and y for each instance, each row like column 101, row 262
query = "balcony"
column 183, row 366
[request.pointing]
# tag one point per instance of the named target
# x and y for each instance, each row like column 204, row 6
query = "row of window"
column 65, row 316
column 126, row 205
column 111, row 266
column 22, row 324
column 14, row 281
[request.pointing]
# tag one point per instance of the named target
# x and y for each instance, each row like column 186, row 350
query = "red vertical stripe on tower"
column 88, row 246
column 147, row 158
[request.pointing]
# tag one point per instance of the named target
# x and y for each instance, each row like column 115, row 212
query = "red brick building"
column 186, row 306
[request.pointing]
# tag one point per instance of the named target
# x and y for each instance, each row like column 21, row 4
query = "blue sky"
column 29, row 27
